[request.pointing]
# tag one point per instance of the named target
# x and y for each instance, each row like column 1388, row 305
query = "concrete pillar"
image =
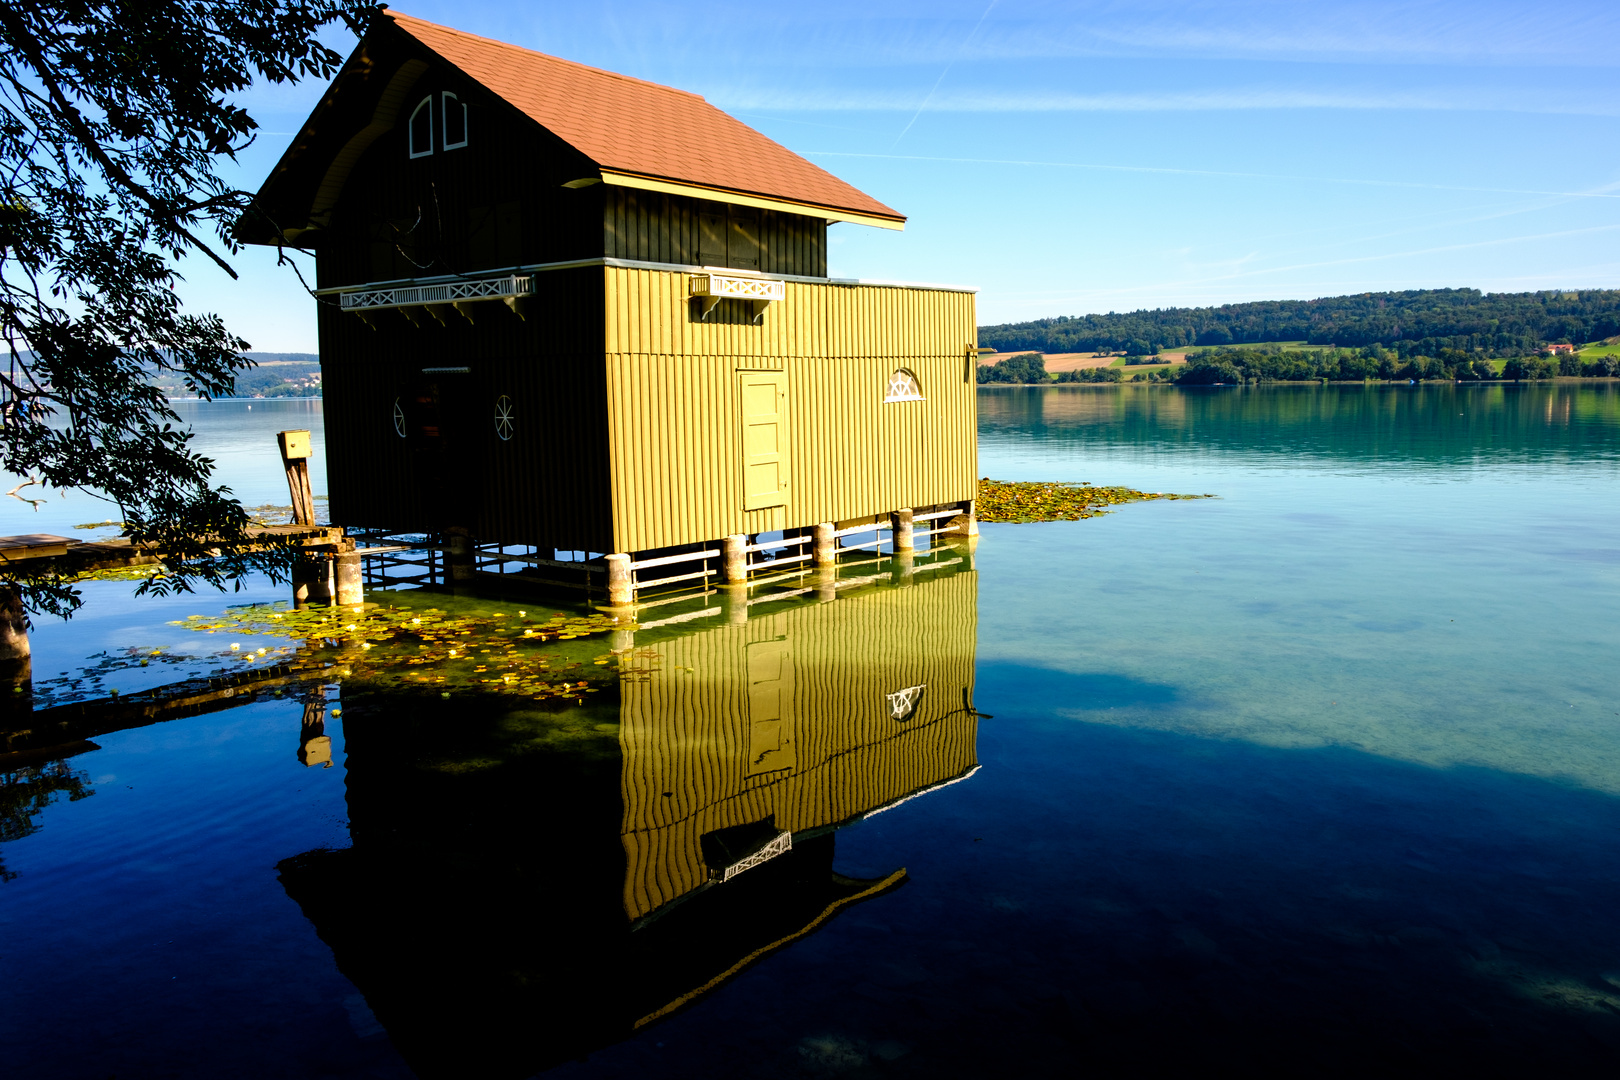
column 734, row 559
column 349, row 577
column 460, row 557
column 827, row 584
column 622, row 641
column 964, row 524
column 823, row 547
column 621, row 586
column 734, row 602
column 903, row 567
column 314, row 744
column 16, row 657
column 901, row 521
column 312, row 579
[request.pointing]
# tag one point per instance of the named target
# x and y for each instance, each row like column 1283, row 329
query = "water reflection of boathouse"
column 804, row 719
column 505, row 908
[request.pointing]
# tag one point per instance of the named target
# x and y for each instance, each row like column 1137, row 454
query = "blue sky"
column 1084, row 157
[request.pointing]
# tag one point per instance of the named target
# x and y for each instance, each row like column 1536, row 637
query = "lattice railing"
column 451, row 292
column 743, row 288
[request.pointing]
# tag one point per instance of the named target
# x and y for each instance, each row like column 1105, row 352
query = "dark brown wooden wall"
column 655, row 227
column 548, row 485
column 496, row 203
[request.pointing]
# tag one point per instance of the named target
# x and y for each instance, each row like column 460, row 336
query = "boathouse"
column 571, row 309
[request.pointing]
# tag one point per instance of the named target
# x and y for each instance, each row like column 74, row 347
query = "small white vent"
column 903, row 387
column 505, row 421
column 902, row 703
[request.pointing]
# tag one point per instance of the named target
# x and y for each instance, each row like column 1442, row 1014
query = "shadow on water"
column 510, row 902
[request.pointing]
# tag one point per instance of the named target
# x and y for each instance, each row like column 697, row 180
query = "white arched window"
column 421, row 130
column 903, row 387
column 455, row 122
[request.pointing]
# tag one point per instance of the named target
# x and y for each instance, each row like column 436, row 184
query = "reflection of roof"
column 640, row 128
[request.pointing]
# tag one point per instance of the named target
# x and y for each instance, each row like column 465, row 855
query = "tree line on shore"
column 1228, row 366
column 1416, row 322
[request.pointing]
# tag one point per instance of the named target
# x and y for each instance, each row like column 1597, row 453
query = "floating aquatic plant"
column 427, row 648
column 1012, row 501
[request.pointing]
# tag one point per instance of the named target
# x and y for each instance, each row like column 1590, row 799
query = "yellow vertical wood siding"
column 674, row 432
column 689, row 739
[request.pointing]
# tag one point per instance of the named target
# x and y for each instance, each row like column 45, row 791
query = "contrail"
column 1607, row 191
column 942, row 74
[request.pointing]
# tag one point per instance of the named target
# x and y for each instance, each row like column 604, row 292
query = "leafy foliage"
column 26, row 790
column 1411, row 323
column 1023, row 368
column 1023, row 502
column 1282, row 365
column 112, row 120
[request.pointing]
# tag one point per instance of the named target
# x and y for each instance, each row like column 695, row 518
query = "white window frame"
column 888, row 391
column 410, row 129
column 445, row 99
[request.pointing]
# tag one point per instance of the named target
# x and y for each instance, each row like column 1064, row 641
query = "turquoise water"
column 1320, row 774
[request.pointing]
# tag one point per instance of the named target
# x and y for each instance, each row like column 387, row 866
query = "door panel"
column 764, row 438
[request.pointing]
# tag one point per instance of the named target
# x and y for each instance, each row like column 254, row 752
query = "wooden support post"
column 823, row 546
column 734, row 559
column 16, row 656
column 620, row 585
column 350, row 576
column 295, row 459
column 901, row 522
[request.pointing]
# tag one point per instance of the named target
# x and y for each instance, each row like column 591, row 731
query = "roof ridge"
column 401, row 17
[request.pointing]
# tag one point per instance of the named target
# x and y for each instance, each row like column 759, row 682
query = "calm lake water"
column 1322, row 774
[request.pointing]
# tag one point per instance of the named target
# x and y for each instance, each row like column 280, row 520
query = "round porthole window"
column 504, row 417
column 399, row 419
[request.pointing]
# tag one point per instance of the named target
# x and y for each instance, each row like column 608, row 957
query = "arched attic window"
column 903, row 386
column 421, row 130
column 455, row 122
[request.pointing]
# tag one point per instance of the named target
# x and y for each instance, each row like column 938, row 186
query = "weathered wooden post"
column 823, row 545
column 734, row 559
column 312, row 571
column 620, row 585
column 16, row 656
column 900, row 521
column 295, row 459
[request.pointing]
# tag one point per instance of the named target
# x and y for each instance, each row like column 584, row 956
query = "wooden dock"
column 43, row 553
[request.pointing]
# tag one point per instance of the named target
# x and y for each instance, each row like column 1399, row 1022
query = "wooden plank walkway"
column 36, row 552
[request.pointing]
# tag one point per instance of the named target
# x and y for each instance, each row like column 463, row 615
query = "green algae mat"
column 1021, row 502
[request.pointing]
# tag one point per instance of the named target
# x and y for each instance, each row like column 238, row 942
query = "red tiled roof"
column 631, row 126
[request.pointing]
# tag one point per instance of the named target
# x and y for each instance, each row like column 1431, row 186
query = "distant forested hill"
column 1416, row 322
